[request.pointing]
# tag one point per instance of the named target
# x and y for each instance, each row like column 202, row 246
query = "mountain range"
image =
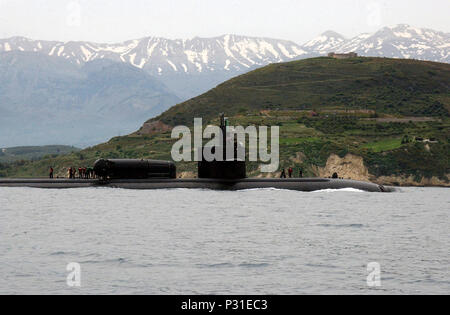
column 400, row 41
column 221, row 58
column 47, row 100
column 49, row 85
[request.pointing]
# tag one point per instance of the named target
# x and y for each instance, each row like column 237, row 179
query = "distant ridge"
column 34, row 152
column 209, row 61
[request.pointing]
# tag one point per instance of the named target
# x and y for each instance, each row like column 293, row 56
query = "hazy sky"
column 297, row 20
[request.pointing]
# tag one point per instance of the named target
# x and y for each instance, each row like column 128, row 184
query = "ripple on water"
column 358, row 226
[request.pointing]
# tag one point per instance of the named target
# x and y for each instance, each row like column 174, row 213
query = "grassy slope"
column 393, row 88
column 405, row 87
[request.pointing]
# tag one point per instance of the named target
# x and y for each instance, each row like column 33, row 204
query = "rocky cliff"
column 353, row 167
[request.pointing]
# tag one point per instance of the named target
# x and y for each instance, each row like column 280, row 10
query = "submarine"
column 215, row 175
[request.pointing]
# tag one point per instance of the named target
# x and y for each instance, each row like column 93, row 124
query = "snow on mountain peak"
column 332, row 34
column 326, row 42
column 237, row 53
column 401, row 41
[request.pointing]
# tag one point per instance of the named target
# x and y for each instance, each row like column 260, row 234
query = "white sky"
column 297, row 20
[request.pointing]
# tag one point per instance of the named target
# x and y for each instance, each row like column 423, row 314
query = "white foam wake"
column 339, row 190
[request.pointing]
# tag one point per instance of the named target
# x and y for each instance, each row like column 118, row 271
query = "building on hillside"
column 343, row 56
column 431, row 140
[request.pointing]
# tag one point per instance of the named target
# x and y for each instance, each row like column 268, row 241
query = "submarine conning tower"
column 226, row 168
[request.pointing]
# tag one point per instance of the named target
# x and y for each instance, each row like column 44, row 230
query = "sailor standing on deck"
column 291, row 172
column 51, row 173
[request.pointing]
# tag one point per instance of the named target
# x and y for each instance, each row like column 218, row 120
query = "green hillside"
column 391, row 114
column 391, row 86
column 8, row 155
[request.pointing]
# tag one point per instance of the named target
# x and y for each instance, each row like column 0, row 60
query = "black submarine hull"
column 300, row 184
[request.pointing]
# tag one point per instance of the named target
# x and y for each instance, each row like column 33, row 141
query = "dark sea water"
column 210, row 242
